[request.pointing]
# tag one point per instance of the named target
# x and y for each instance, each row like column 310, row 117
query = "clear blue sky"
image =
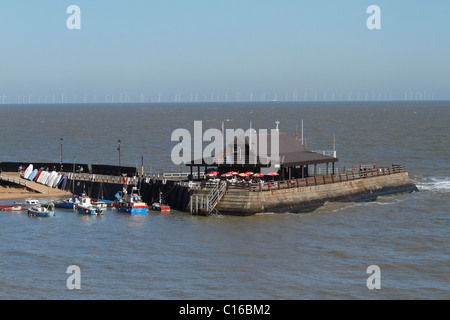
column 213, row 47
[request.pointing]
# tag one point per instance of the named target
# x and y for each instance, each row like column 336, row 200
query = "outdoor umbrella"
column 258, row 175
column 212, row 174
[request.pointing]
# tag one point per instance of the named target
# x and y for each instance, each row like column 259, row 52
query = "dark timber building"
column 293, row 159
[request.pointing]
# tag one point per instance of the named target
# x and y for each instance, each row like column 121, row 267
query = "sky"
column 211, row 50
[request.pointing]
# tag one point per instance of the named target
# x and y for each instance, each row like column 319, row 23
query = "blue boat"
column 45, row 210
column 67, row 203
column 33, row 174
column 130, row 203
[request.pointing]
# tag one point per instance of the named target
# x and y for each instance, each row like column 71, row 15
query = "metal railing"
column 365, row 172
column 13, row 179
column 206, row 204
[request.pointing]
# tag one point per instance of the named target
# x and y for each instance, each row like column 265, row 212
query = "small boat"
column 130, row 203
column 160, row 206
column 67, row 203
column 30, row 202
column 28, row 171
column 45, row 210
column 13, row 207
column 33, row 175
column 103, row 202
column 85, row 206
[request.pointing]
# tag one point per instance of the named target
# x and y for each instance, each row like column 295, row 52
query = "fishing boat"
column 130, row 202
column 160, row 206
column 67, row 203
column 45, row 210
column 85, row 206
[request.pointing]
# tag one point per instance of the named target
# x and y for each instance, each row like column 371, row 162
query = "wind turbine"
column 159, row 97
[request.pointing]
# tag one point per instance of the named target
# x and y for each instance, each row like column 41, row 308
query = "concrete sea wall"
column 301, row 199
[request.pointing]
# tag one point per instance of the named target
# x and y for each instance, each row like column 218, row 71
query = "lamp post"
column 61, row 154
column 118, row 148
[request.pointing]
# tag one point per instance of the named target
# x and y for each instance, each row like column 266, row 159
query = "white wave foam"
column 434, row 184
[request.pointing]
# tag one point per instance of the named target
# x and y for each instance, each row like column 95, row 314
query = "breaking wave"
column 434, row 184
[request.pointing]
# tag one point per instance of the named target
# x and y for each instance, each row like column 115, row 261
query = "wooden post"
column 196, row 204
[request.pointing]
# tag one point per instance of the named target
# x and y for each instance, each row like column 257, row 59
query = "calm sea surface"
column 319, row 255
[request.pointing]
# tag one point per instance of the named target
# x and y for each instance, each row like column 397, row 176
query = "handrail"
column 317, row 180
column 13, row 179
column 207, row 203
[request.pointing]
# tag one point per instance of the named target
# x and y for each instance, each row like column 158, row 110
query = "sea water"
column 320, row 255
